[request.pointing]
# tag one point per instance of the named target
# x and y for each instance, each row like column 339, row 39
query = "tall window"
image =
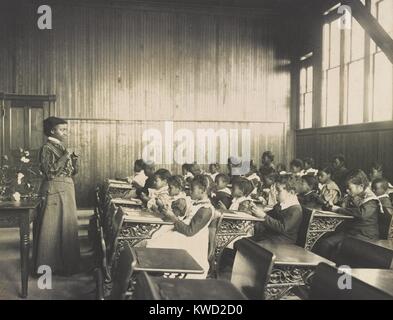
column 354, row 71
column 331, row 74
column 357, row 77
column 381, row 68
column 306, row 84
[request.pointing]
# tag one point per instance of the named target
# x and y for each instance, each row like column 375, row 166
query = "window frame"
column 320, row 82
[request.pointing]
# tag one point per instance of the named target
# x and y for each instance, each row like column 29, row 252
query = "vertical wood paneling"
column 150, row 65
column 360, row 144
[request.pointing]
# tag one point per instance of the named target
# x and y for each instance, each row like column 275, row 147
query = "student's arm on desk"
column 367, row 210
column 198, row 221
column 291, row 219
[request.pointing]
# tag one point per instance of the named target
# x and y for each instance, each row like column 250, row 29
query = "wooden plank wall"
column 117, row 70
column 361, row 144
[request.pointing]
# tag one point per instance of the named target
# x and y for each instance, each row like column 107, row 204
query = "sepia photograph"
column 201, row 152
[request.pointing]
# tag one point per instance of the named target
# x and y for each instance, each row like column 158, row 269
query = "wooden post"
column 372, row 26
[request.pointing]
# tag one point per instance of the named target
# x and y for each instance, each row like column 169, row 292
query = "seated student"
column 214, row 170
column 339, row 171
column 296, row 167
column 191, row 232
column 267, row 165
column 149, row 170
column 195, row 169
column 364, row 206
column 241, row 190
column 222, row 193
column 282, row 223
column 187, row 175
column 308, row 195
column 376, row 171
column 139, row 178
column 330, row 192
column 159, row 192
column 178, row 202
column 252, row 175
column 269, row 190
column 380, row 187
column 309, row 167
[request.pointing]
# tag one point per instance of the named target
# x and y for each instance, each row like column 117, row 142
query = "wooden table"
column 139, row 225
column 21, row 214
column 378, row 278
column 117, row 189
column 321, row 223
column 292, row 267
column 168, row 261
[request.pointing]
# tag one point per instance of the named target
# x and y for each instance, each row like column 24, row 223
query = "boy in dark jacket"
column 363, row 205
column 282, row 223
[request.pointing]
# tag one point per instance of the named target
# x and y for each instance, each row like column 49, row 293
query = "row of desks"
column 293, row 264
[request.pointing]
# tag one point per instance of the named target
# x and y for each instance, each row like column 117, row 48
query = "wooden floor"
column 78, row 287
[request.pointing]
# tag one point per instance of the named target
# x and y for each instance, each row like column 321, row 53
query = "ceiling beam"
column 372, row 26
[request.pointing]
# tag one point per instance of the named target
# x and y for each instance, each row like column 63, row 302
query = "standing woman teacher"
column 58, row 244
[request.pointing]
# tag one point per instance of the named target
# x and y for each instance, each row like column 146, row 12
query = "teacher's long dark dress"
column 58, row 244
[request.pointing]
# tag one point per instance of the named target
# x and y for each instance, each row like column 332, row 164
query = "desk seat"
column 152, row 260
column 358, row 253
column 165, row 261
column 292, row 268
column 155, row 288
column 366, row 284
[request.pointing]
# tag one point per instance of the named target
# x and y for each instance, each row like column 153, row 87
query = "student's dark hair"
column 327, row 170
column 195, row 169
column 297, row 163
column 215, row 164
column 140, row 163
column 163, row 174
column 357, row 177
column 384, row 183
column 186, row 166
column 222, row 176
column 268, row 154
column 244, row 185
column 310, row 161
column 339, row 156
column 50, row 123
column 177, row 181
column 289, row 182
column 377, row 166
column 311, row 181
column 272, row 176
column 202, row 181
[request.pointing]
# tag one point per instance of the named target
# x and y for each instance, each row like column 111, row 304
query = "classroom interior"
column 210, row 79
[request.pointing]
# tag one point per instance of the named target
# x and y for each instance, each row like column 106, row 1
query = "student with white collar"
column 222, row 193
column 364, row 206
column 282, row 223
column 380, row 187
column 191, row 232
column 241, row 190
